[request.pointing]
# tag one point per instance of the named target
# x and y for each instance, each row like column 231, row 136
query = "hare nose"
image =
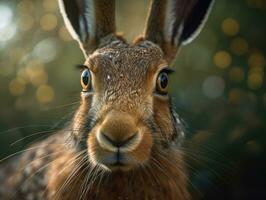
column 118, row 130
column 119, row 142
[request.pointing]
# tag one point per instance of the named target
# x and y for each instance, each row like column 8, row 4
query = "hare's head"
column 125, row 114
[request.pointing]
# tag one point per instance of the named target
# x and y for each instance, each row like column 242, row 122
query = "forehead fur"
column 119, row 56
column 122, row 69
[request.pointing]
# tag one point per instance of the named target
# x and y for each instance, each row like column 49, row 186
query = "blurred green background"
column 218, row 89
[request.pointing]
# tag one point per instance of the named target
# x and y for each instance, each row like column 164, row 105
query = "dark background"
column 218, row 89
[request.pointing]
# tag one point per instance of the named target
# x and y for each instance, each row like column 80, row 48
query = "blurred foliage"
column 219, row 87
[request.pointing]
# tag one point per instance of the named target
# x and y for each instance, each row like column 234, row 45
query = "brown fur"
column 158, row 170
column 162, row 174
column 124, row 139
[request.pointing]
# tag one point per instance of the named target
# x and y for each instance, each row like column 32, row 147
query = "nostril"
column 119, row 143
column 130, row 139
column 107, row 138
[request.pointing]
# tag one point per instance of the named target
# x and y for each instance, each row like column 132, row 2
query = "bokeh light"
column 50, row 5
column 230, row 27
column 256, row 60
column 36, row 73
column 25, row 7
column 17, row 86
column 25, row 22
column 255, row 80
column 222, row 59
column 213, row 87
column 8, row 32
column 48, row 22
column 237, row 74
column 46, row 50
column 6, row 16
column 44, row 94
column 239, row 46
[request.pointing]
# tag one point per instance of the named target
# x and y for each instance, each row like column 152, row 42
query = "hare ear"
column 88, row 21
column 172, row 23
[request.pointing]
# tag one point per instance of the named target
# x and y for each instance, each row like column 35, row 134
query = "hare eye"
column 85, row 80
column 162, row 83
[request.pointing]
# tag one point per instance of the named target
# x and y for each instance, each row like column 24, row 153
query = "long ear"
column 172, row 23
column 89, row 21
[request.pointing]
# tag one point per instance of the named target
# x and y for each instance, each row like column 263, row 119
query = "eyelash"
column 81, row 67
column 167, row 70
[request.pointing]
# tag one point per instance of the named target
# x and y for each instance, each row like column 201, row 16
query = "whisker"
column 28, row 136
column 40, row 158
column 22, row 127
column 67, row 164
column 65, row 105
column 25, row 150
column 73, row 172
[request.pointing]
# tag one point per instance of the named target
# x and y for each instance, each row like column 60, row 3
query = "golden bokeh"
column 25, row 22
column 230, row 27
column 237, row 74
column 25, row 7
column 36, row 73
column 48, row 22
column 256, row 60
column 64, row 34
column 222, row 59
column 256, row 69
column 44, row 94
column 17, row 86
column 255, row 80
column 50, row 5
column 239, row 46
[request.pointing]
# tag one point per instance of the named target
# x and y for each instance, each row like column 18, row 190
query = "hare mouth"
column 116, row 161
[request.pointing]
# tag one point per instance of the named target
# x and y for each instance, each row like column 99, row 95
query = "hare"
column 125, row 139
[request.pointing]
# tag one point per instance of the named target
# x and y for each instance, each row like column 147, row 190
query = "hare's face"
column 125, row 111
column 125, row 115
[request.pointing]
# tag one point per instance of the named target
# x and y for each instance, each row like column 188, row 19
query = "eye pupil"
column 85, row 79
column 162, row 83
column 164, row 80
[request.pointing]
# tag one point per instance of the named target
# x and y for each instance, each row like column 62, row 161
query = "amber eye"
column 85, row 80
column 162, row 83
